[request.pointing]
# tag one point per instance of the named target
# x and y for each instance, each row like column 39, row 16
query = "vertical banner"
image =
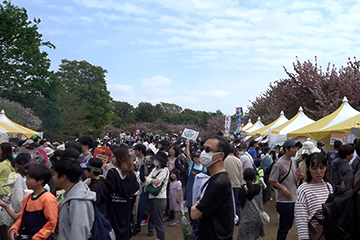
column 239, row 118
column 227, row 125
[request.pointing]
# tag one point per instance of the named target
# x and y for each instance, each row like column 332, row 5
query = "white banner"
column 227, row 125
column 190, row 134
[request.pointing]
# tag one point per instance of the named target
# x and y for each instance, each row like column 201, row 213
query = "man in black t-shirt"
column 216, row 208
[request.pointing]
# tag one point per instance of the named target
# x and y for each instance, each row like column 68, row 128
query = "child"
column 38, row 215
column 175, row 196
column 97, row 183
column 260, row 173
column 76, row 211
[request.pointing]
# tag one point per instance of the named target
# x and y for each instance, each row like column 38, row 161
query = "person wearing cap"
column 159, row 175
column 87, row 144
column 92, row 171
column 195, row 167
column 284, row 178
column 216, row 207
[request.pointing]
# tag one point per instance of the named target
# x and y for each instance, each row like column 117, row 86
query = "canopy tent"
column 3, row 135
column 255, row 126
column 13, row 128
column 248, row 125
column 278, row 135
column 343, row 127
column 265, row 130
column 314, row 130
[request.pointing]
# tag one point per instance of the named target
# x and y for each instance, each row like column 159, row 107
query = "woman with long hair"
column 251, row 226
column 6, row 167
column 310, row 196
column 122, row 185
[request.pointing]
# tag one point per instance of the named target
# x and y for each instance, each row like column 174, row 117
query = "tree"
column 21, row 115
column 24, row 68
column 318, row 92
column 146, row 112
column 87, row 83
column 123, row 112
column 169, row 108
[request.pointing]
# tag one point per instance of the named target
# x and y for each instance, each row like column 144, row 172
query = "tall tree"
column 123, row 113
column 87, row 83
column 24, row 67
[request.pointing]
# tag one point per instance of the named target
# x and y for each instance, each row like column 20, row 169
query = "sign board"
column 190, row 134
column 342, row 137
column 103, row 153
column 227, row 125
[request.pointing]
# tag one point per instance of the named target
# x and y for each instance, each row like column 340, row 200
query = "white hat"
column 49, row 152
column 308, row 147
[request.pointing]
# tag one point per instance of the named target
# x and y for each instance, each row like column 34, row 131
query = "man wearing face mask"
column 143, row 200
column 215, row 208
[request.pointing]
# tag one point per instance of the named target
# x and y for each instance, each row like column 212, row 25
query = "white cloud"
column 156, row 81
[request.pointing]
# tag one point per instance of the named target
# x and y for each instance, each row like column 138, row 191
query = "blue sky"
column 199, row 54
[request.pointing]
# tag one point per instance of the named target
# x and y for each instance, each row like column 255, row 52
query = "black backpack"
column 339, row 213
column 101, row 229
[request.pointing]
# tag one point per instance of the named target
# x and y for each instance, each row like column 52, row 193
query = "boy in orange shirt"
column 39, row 212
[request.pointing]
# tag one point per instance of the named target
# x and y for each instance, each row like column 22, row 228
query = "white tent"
column 278, row 135
column 254, row 127
column 248, row 125
column 265, row 130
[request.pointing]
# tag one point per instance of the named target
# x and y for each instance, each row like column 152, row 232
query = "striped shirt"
column 308, row 204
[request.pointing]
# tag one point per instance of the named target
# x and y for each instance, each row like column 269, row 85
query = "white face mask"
column 241, row 153
column 147, row 158
column 156, row 163
column 206, row 158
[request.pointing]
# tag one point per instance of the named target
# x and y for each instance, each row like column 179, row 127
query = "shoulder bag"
column 155, row 190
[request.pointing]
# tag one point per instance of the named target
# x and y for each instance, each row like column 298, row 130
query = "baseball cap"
column 289, row 143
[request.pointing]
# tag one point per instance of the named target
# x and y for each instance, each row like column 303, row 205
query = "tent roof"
column 344, row 112
column 264, row 130
column 256, row 125
column 248, row 125
column 12, row 127
column 344, row 127
column 298, row 121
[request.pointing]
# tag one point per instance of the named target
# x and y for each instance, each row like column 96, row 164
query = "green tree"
column 145, row 112
column 24, row 68
column 123, row 113
column 170, row 108
column 87, row 83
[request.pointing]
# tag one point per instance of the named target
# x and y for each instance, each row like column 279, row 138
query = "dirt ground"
column 174, row 233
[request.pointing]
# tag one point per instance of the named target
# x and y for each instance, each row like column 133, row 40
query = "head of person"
column 71, row 152
column 307, row 149
column 92, row 167
column 346, row 151
column 86, row 142
column 253, row 144
column 74, row 144
column 266, row 150
column 216, row 149
column 196, row 156
column 174, row 150
column 258, row 162
column 22, row 163
column 122, row 160
column 320, row 144
column 36, row 138
column 163, row 145
column 56, row 156
column 316, row 166
column 66, row 171
column 357, row 146
column 241, row 148
column 37, row 175
column 140, row 149
column 149, row 157
column 160, row 159
column 337, row 144
column 290, row 148
column 175, row 175
column 6, row 152
column 250, row 178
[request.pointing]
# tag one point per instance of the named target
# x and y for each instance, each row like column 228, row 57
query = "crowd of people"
column 49, row 190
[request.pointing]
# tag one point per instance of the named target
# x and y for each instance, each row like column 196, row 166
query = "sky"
column 204, row 55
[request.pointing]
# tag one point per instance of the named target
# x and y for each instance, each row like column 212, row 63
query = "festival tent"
column 344, row 127
column 248, row 125
column 255, row 126
column 278, row 135
column 265, row 130
column 13, row 128
column 314, row 130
